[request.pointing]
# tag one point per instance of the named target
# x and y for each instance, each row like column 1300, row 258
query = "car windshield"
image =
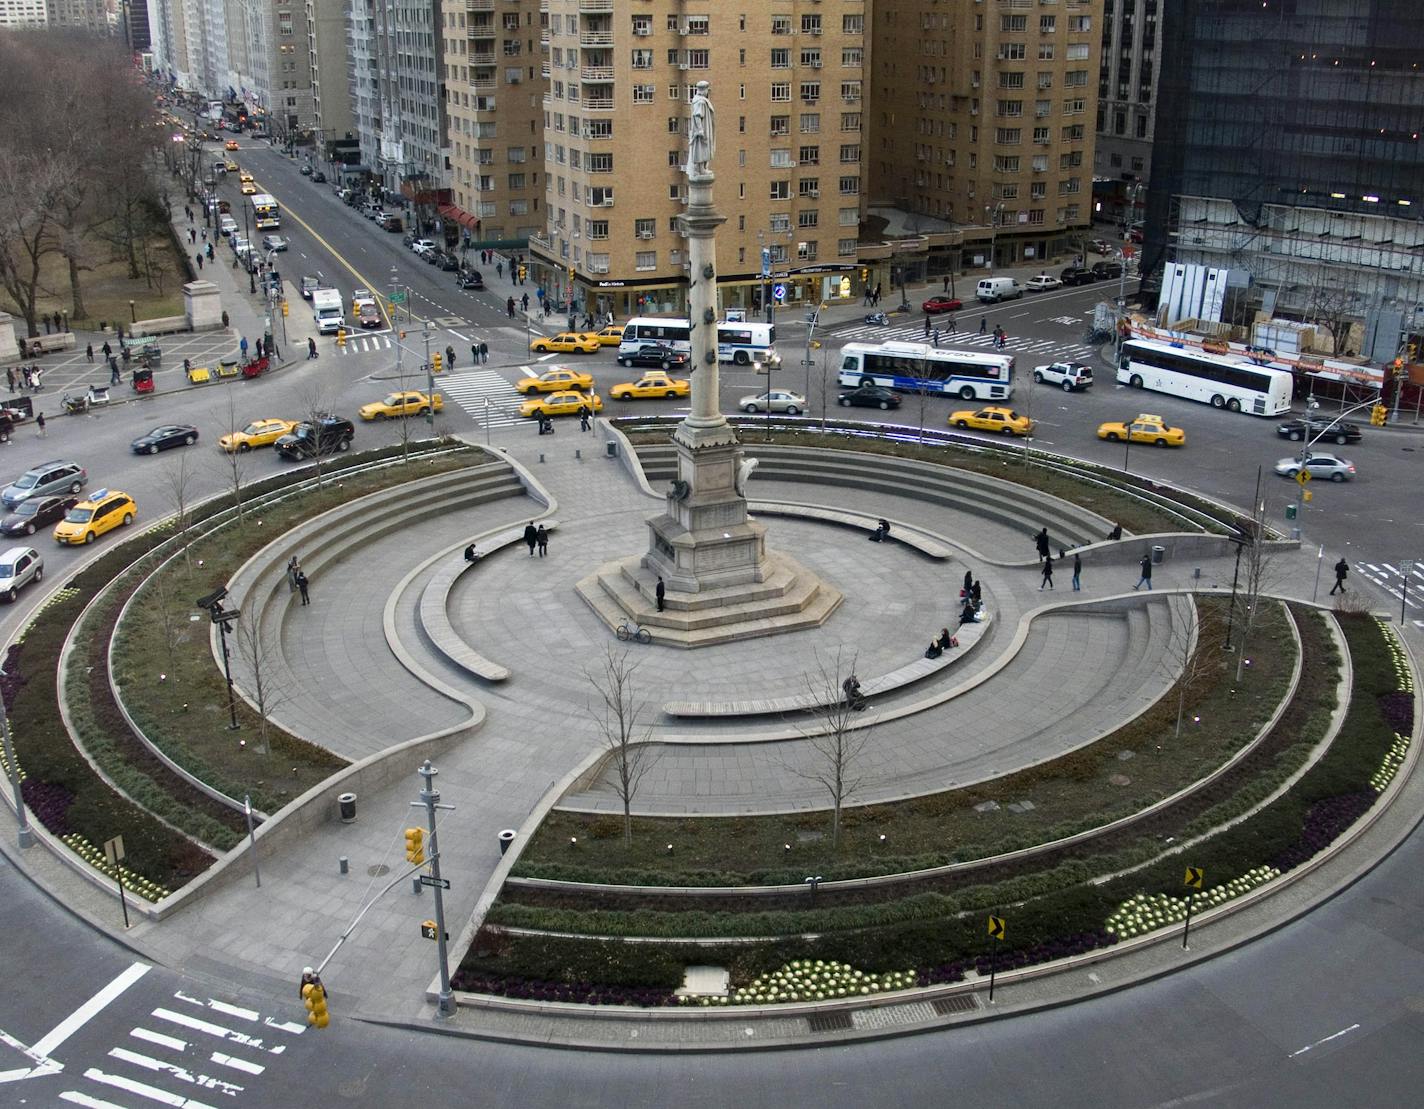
column 26, row 481
column 394, row 399
column 79, row 515
column 6, row 570
column 27, row 508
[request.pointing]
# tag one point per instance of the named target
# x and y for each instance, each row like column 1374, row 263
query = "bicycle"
column 629, row 630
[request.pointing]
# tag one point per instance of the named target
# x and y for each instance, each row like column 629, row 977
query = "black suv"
column 329, row 434
column 1074, row 276
column 655, row 354
column 448, row 262
column 471, row 279
column 1107, row 271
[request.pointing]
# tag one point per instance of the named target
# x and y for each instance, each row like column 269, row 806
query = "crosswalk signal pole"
column 429, row 375
column 429, row 800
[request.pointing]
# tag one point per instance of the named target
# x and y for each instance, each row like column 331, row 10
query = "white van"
column 993, row 289
column 327, row 311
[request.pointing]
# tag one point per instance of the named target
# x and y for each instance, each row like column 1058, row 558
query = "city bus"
column 921, row 367
column 741, row 342
column 1223, row 381
column 266, row 216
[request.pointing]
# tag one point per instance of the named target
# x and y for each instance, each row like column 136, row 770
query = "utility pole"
column 429, row 800
column 429, row 374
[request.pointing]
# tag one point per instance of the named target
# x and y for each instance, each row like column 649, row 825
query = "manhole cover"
column 377, row 870
column 1120, row 780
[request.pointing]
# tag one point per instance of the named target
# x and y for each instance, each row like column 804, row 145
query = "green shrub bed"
column 1050, row 914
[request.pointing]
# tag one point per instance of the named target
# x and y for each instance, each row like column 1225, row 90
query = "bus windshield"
column 266, row 215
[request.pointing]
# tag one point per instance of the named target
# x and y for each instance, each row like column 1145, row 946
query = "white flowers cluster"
column 136, row 883
column 1149, row 912
column 1390, row 764
column 1403, row 672
column 5, row 765
column 815, row 980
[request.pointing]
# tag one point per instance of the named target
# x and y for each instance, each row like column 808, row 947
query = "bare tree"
column 233, row 462
column 176, row 484
column 162, row 612
column 28, row 233
column 1257, row 575
column 624, row 736
column 266, row 689
column 1332, row 305
column 314, row 401
column 837, row 739
column 1189, row 655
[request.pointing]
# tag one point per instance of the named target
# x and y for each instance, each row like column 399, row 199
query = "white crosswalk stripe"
column 365, row 344
column 471, row 388
column 1388, row 578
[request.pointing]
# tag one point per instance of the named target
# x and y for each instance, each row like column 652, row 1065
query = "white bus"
column 1223, row 381
column 917, row 367
column 742, row 342
column 266, row 215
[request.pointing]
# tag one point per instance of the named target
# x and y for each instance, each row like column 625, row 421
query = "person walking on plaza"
column 1041, row 542
column 108, row 350
column 475, row 354
column 1342, row 570
column 583, row 417
column 40, row 426
column 89, row 352
column 927, row 325
column 542, row 538
column 660, row 592
column 484, row 353
column 983, row 324
column 302, row 586
column 1146, row 577
column 1047, row 573
column 499, row 268
column 450, row 357
column 1077, row 572
column 114, row 376
column 311, row 348
column 294, row 568
column 10, row 377
column 936, row 337
column 509, row 306
column 531, row 537
column 953, row 327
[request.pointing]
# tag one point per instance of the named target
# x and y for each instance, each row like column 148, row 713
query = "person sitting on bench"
column 854, row 697
column 934, row 650
column 882, row 529
column 945, row 640
column 967, row 614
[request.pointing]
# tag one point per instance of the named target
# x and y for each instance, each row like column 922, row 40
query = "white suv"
column 423, row 246
column 18, row 567
column 1068, row 375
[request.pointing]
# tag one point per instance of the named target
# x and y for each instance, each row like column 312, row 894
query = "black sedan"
column 39, row 512
column 448, row 262
column 165, row 436
column 655, row 354
column 870, row 396
column 471, row 279
column 1342, row 432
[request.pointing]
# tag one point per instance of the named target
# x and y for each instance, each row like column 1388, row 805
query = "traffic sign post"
column 1405, row 569
column 1192, row 881
column 114, row 853
column 996, row 931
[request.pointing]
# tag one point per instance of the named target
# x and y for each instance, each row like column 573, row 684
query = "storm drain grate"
column 830, row 1022
column 959, row 1003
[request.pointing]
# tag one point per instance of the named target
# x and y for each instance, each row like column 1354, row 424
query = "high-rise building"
column 982, row 115
column 24, row 13
column 788, row 85
column 1289, row 153
column 363, row 79
column 402, row 37
column 331, row 86
column 288, row 92
column 496, row 70
column 1127, row 105
column 87, row 15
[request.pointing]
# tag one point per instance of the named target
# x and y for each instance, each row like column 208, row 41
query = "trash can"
column 347, row 803
column 612, row 448
column 506, row 837
column 1158, row 555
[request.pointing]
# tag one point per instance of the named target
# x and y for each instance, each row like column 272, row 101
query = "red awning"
column 459, row 215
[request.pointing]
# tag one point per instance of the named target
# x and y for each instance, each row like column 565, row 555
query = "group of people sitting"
column 972, row 602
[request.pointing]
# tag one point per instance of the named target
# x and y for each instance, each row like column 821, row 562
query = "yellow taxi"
column 610, row 336
column 259, row 433
column 568, row 342
column 231, row 144
column 245, row 177
column 230, row 166
column 410, row 402
column 654, row 383
column 995, row 418
column 248, row 188
column 551, row 381
column 104, row 510
column 1146, row 428
column 561, row 404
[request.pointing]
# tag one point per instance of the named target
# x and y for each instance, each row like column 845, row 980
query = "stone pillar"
column 9, row 349
column 202, row 304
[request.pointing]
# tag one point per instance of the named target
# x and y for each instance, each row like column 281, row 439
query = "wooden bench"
column 434, row 612
column 32, row 346
column 907, row 534
column 912, row 672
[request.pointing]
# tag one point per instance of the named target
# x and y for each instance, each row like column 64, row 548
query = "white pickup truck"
column 328, row 311
column 1067, row 375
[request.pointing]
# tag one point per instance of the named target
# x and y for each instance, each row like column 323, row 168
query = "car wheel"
column 866, row 381
column 243, row 448
column 153, row 449
column 1296, row 436
column 844, row 402
column 76, row 486
column 1067, row 386
column 750, row 408
column 1233, row 405
column 621, row 362
column 666, row 365
column 1112, row 437
column 962, row 424
column 967, row 393
column 1007, row 431
column 741, row 358
column 190, row 440
column 128, row 518
column 1218, row 401
column 1342, row 439
column 9, row 596
column 343, row 445
column 1159, row 442
column 88, row 537
column 884, row 406
column 29, row 529
column 39, row 573
column 792, row 410
column 1337, row 477
column 1038, row 377
column 670, row 393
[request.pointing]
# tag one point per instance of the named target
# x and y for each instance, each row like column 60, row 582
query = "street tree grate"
column 959, row 1003
column 830, row 1022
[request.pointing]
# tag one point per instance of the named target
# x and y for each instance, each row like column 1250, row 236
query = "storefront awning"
column 459, row 215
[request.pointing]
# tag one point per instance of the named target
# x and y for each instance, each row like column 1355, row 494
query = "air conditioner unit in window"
column 515, row 78
column 683, row 66
column 645, row 234
column 642, row 32
column 813, row 193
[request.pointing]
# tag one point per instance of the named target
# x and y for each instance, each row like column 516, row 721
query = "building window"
column 696, row 25
column 600, row 196
column 781, row 58
column 809, row 155
column 1010, row 108
column 780, row 125
column 807, row 251
column 642, row 25
column 780, row 222
column 809, row 186
column 810, row 92
column 847, row 247
column 519, row 207
column 781, row 25
column 810, row 24
column 1077, row 52
column 1079, row 23
column 1008, row 136
column 780, row 92
column 1045, row 51
column 1013, row 24
column 811, row 58
column 850, row 186
column 850, row 121
column 1008, row 192
column 697, row 59
column 850, row 91
column 1011, row 80
column 1035, row 215
column 781, row 190
column 1012, row 52
column 1047, row 24
column 1076, row 78
column 850, row 153
column 848, row 217
column 808, row 218
column 645, row 228
column 598, row 263
column 810, row 123
column 642, row 59
column 516, row 180
column 1006, row 163
column 597, row 229
column 643, row 94
column 853, row 57
column 781, row 158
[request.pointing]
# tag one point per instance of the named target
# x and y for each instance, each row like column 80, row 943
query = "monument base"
column 787, row 598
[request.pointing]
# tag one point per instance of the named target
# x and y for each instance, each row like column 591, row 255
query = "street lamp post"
column 992, row 216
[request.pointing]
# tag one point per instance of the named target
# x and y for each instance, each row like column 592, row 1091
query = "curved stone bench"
column 900, row 531
column 433, row 610
column 968, row 635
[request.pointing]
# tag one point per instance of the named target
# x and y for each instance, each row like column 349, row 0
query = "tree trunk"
column 77, row 310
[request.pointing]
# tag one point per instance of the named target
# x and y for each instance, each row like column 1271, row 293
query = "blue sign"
column 766, row 261
column 779, row 291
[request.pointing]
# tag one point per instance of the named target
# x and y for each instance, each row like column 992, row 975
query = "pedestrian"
column 199, row 258
column 983, row 324
column 976, row 595
column 946, row 283
column 952, row 326
column 1146, row 565
column 531, row 537
column 583, row 417
column 936, row 336
column 509, row 306
column 125, row 354
column 660, row 592
column 475, row 354
column 1047, row 573
column 210, row 252
column 89, row 352
column 242, row 347
column 108, row 350
column 29, row 377
column 205, row 234
column 192, row 236
column 311, row 348
column 484, row 353
column 1342, row 570
column 450, row 356
column 927, row 325
column 968, row 583
column 40, row 426
column 877, row 293
column 10, row 377
column 499, row 268
column 1077, row 572
column 302, row 586
column 542, row 538
column 114, row 376
column 46, row 323
column 588, row 321
column 294, row 567
column 1041, row 542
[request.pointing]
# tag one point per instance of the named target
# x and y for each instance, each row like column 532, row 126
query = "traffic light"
column 437, row 362
column 1378, row 414
column 571, row 272
column 864, row 274
column 415, row 846
column 521, row 272
column 314, row 997
column 341, row 336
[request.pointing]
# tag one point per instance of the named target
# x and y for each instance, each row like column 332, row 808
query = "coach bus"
column 922, row 368
column 1223, row 381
